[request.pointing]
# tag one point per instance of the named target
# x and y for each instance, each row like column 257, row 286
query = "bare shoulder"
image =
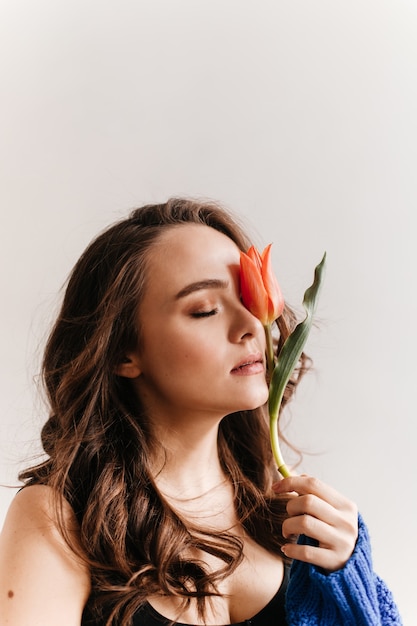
column 34, row 503
column 41, row 579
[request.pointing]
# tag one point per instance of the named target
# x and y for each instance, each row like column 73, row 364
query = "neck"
column 191, row 465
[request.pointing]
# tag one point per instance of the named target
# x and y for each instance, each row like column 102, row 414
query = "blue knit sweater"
column 352, row 596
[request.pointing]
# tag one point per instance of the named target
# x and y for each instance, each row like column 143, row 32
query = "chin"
column 253, row 403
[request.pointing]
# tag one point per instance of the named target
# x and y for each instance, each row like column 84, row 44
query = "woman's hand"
column 323, row 514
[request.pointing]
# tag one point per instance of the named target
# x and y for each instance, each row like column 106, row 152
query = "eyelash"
column 200, row 314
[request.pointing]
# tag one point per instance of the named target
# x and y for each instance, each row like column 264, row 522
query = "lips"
column 251, row 364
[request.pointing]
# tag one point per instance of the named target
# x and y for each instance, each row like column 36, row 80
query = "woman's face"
column 201, row 352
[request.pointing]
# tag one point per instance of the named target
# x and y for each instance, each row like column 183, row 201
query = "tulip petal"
column 253, row 293
column 275, row 298
column 255, row 256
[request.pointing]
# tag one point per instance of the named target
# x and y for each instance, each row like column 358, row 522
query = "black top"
column 273, row 614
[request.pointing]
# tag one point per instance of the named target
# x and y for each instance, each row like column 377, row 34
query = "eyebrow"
column 211, row 283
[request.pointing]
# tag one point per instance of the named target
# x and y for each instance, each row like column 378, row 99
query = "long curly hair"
column 98, row 442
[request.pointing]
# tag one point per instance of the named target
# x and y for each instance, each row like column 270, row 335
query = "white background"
column 298, row 115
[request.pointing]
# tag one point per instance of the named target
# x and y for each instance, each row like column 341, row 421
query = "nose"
column 245, row 325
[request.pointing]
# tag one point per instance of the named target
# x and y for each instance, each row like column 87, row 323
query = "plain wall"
column 301, row 117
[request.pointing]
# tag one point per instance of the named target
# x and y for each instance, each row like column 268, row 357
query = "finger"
column 338, row 541
column 310, row 485
column 326, row 535
column 343, row 521
column 325, row 558
column 312, row 505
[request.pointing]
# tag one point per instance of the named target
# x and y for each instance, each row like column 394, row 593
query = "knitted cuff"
column 352, row 595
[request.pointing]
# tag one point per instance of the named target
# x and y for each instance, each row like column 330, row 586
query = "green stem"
column 276, row 450
column 270, row 359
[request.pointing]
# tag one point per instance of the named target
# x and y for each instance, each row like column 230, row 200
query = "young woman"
column 158, row 500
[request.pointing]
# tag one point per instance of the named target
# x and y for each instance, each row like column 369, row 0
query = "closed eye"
column 199, row 314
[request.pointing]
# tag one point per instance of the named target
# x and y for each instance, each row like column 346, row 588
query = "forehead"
column 191, row 252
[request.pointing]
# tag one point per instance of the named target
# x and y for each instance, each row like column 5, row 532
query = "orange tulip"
column 261, row 294
column 259, row 288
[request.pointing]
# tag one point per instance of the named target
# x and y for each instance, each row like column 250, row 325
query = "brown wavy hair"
column 98, row 442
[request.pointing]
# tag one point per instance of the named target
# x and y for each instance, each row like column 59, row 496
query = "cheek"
column 193, row 357
column 178, row 351
column 171, row 353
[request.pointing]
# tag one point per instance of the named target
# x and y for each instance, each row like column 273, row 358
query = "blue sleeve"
column 351, row 596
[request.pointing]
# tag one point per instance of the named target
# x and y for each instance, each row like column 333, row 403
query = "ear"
column 129, row 367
